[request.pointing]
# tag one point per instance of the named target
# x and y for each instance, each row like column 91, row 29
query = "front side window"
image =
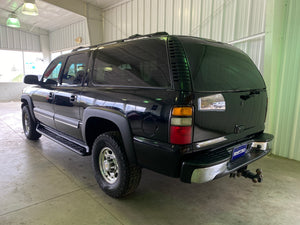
column 52, row 72
column 75, row 68
column 137, row 63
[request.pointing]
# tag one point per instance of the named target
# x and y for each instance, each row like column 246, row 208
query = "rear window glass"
column 134, row 63
column 221, row 69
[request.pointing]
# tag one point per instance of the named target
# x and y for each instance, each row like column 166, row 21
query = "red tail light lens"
column 181, row 125
column 180, row 135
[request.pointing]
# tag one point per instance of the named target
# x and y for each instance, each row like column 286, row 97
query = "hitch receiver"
column 255, row 177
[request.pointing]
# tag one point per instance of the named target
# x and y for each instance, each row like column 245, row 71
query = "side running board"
column 68, row 142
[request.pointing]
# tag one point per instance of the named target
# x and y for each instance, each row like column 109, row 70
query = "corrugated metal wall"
column 223, row 20
column 14, row 39
column 64, row 38
column 282, row 68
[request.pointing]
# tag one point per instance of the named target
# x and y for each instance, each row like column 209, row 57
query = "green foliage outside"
column 18, row 78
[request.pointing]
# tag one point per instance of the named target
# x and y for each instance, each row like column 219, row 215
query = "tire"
column 29, row 126
column 115, row 176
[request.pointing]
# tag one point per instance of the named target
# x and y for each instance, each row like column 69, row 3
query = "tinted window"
column 75, row 68
column 53, row 70
column 221, row 68
column 133, row 63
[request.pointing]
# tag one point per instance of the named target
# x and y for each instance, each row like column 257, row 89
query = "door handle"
column 51, row 95
column 73, row 98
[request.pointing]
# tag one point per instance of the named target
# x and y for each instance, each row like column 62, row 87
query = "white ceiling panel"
column 50, row 16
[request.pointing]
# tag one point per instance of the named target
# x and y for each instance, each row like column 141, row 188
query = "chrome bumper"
column 203, row 175
column 193, row 173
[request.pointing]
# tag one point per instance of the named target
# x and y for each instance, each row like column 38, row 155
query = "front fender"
column 119, row 120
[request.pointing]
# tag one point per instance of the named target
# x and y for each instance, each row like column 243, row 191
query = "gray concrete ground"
column 44, row 183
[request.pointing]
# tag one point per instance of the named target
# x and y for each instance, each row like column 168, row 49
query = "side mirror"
column 31, row 79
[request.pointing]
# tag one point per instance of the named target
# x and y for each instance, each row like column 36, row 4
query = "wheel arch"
column 98, row 120
column 26, row 100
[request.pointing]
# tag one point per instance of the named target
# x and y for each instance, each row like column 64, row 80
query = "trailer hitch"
column 255, row 177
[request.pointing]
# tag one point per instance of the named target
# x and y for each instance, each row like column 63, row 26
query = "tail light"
column 181, row 125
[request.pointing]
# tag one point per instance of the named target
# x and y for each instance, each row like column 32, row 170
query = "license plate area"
column 239, row 151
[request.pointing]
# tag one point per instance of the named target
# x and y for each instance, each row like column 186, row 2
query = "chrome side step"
column 68, row 142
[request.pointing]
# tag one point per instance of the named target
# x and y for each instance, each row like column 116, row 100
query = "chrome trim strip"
column 210, row 142
column 68, row 124
column 43, row 115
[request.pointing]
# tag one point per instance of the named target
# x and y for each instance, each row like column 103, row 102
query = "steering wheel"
column 67, row 76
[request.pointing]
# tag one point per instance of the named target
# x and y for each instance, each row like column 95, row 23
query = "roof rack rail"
column 147, row 35
column 135, row 36
column 160, row 33
column 80, row 48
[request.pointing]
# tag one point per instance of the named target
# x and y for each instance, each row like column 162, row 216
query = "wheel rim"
column 26, row 123
column 108, row 165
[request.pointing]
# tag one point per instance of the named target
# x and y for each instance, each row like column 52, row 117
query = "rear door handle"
column 73, row 98
column 51, row 95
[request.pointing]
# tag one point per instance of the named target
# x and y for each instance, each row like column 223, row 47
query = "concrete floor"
column 44, row 183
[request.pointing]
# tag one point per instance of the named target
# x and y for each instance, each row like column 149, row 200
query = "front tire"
column 29, row 126
column 114, row 174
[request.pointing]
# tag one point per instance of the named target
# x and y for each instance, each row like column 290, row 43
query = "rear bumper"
column 205, row 167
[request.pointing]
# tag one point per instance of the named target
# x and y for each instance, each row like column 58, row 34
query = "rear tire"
column 115, row 176
column 29, row 126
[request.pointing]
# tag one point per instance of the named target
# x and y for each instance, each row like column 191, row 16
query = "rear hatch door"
column 230, row 93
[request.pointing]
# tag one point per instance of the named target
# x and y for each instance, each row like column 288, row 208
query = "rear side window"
column 134, row 63
column 221, row 69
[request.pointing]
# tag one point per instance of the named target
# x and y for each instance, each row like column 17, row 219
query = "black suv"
column 181, row 106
